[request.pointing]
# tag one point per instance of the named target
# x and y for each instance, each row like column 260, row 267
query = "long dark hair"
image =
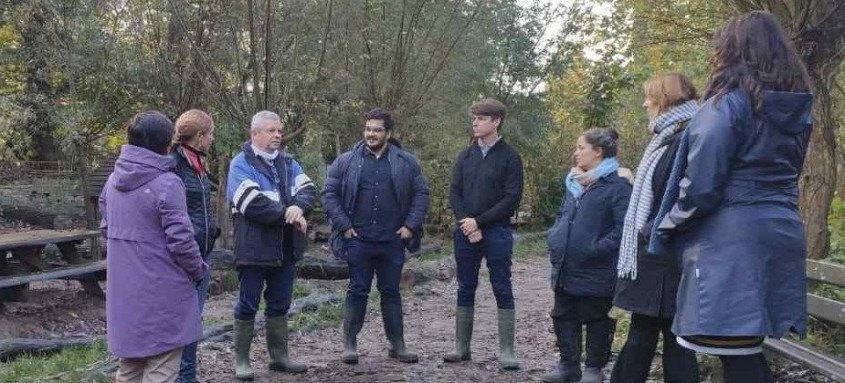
column 753, row 53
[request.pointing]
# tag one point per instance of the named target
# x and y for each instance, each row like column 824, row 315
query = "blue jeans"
column 497, row 246
column 188, row 367
column 277, row 294
column 384, row 259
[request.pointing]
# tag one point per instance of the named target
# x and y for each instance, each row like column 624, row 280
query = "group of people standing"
column 704, row 245
column 707, row 245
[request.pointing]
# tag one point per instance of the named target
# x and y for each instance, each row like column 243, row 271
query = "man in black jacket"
column 485, row 192
column 377, row 197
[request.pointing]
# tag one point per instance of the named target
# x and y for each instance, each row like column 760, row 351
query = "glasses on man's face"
column 374, row 129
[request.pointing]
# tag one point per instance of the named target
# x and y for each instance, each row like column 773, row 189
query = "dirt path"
column 429, row 329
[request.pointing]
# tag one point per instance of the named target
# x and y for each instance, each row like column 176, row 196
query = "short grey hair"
column 264, row 115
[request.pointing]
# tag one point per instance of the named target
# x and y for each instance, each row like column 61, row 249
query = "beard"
column 378, row 145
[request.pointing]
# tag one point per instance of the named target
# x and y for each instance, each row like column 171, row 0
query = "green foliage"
column 69, row 365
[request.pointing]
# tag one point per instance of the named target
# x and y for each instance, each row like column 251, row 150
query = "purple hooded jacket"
column 153, row 260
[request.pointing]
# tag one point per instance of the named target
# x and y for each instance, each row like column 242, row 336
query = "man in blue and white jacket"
column 270, row 196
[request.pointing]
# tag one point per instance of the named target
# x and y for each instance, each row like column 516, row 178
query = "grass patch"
column 530, row 245
column 826, row 337
column 70, row 365
column 446, row 250
column 328, row 315
column 300, row 291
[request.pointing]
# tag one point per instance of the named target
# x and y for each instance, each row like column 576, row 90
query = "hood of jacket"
column 136, row 166
column 790, row 112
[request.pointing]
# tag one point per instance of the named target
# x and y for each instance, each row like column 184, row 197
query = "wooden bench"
column 823, row 308
column 26, row 248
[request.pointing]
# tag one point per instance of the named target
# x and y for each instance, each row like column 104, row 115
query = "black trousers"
column 634, row 361
column 746, row 368
column 569, row 314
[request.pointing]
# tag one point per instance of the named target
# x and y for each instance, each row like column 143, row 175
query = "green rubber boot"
column 391, row 315
column 277, row 346
column 507, row 356
column 244, row 330
column 353, row 320
column 463, row 336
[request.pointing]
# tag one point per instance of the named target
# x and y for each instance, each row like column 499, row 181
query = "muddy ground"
column 61, row 309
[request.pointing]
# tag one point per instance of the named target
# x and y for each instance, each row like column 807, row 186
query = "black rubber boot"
column 568, row 369
column 599, row 339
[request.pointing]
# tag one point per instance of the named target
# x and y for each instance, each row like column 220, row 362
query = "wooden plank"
column 826, row 272
column 827, row 309
column 814, row 360
column 11, row 241
column 52, row 274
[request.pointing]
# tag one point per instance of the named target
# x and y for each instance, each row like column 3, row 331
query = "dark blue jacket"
column 341, row 187
column 200, row 204
column 584, row 241
column 259, row 195
column 735, row 220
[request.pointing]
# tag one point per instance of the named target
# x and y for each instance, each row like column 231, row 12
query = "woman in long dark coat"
column 194, row 136
column 648, row 284
column 733, row 213
column 583, row 250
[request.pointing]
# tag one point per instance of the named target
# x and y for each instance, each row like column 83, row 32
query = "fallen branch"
column 12, row 348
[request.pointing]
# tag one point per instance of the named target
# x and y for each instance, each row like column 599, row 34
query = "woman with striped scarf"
column 647, row 283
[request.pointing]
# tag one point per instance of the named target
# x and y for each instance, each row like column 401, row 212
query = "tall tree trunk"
column 268, row 56
column 38, row 92
column 818, row 181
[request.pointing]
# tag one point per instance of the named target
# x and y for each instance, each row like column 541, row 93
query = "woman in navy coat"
column 735, row 218
column 583, row 250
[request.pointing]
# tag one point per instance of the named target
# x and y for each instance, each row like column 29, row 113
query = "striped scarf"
column 664, row 127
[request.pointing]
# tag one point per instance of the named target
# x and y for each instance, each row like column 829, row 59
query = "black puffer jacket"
column 584, row 241
column 198, row 190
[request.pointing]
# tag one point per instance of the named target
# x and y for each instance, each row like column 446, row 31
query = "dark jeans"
column 634, row 361
column 746, row 368
column 277, row 294
column 497, row 246
column 382, row 259
column 188, row 366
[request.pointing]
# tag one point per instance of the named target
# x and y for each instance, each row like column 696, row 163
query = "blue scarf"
column 575, row 183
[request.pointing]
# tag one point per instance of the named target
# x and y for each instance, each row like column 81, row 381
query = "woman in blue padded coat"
column 732, row 212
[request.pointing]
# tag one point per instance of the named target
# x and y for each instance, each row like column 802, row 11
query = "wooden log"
column 43, row 237
column 11, row 348
column 53, row 274
column 323, row 269
column 310, row 267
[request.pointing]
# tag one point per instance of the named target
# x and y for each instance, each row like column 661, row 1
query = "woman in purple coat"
column 154, row 263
